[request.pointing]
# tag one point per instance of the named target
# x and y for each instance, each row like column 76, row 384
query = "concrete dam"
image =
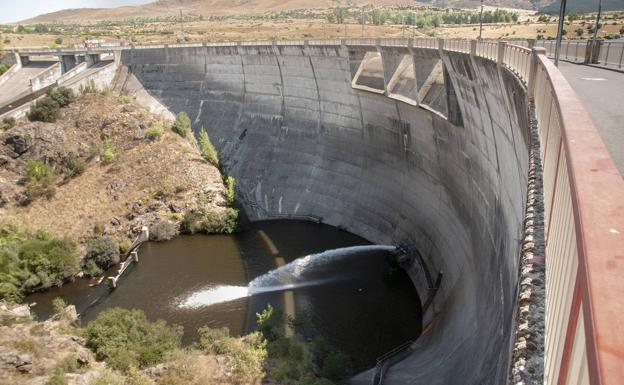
column 400, row 145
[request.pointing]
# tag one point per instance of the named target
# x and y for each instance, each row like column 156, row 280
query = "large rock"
column 18, row 143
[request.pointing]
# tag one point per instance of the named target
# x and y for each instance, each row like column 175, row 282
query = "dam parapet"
column 424, row 142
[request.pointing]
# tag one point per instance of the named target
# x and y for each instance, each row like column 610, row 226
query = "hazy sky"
column 15, row 10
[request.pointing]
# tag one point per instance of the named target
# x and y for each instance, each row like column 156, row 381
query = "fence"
column 583, row 223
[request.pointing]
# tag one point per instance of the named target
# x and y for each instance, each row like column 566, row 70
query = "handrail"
column 583, row 185
column 388, row 359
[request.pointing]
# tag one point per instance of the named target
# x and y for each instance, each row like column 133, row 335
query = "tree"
column 206, row 148
column 182, row 125
column 573, row 16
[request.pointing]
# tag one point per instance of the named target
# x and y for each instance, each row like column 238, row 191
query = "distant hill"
column 197, row 7
column 519, row 4
column 584, row 6
column 230, row 7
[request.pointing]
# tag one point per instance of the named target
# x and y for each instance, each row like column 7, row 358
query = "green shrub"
column 4, row 67
column 182, row 125
column 109, row 155
column 155, row 131
column 108, row 377
column 7, row 122
column 126, row 338
column 246, row 355
column 74, row 165
column 206, row 148
column 101, row 252
column 32, row 260
column 61, row 95
column 336, row 366
column 209, row 221
column 135, row 377
column 44, row 110
column 58, row 305
column 270, row 323
column 162, row 231
column 230, row 189
column 40, row 180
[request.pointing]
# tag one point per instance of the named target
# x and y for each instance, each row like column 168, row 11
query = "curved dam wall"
column 301, row 142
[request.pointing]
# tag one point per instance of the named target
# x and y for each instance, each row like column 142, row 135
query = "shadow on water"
column 222, row 281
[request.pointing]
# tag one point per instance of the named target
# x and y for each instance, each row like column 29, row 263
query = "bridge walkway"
column 20, row 81
column 602, row 92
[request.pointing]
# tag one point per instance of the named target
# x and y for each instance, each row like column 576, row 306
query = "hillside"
column 584, row 6
column 195, row 7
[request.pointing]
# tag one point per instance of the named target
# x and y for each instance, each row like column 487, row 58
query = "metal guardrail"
column 390, row 358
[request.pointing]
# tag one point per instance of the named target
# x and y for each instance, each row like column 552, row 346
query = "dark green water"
column 363, row 311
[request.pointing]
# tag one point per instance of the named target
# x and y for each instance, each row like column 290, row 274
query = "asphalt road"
column 602, row 93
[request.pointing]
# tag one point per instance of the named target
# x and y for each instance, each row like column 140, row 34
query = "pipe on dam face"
column 301, row 140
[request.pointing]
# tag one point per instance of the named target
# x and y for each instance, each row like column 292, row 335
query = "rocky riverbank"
column 105, row 168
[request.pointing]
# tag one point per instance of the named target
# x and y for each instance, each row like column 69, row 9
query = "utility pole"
column 593, row 42
column 560, row 31
column 481, row 21
column 362, row 19
column 181, row 25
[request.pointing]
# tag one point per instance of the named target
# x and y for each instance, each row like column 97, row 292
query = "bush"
column 206, row 148
column 155, row 131
column 44, row 110
column 108, row 377
column 58, row 305
column 101, row 252
column 230, row 189
column 182, row 125
column 40, row 180
column 162, row 231
column 270, row 323
column 74, row 165
column 4, row 67
column 32, row 260
column 58, row 41
column 109, row 155
column 7, row 122
column 246, row 355
column 126, row 338
column 61, row 95
column 209, row 221
column 336, row 366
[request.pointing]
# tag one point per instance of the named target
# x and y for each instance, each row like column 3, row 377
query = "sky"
column 16, row 10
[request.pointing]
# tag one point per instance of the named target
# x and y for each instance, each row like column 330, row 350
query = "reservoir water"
column 224, row 280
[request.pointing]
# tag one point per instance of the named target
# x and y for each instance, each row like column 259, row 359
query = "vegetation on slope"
column 33, row 260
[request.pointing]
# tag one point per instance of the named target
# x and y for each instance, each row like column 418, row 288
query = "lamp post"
column 481, row 20
column 560, row 31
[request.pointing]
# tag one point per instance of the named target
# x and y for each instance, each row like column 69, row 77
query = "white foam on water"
column 213, row 295
column 283, row 278
column 292, row 271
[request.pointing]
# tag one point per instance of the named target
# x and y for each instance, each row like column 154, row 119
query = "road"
column 602, row 93
column 20, row 81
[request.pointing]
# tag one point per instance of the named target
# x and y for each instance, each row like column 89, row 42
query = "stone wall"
column 302, row 142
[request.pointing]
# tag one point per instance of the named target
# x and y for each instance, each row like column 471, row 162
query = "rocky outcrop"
column 148, row 181
column 31, row 352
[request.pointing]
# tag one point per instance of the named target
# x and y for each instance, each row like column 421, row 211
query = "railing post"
column 531, row 43
column 533, row 70
column 440, row 45
column 500, row 60
column 473, row 48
